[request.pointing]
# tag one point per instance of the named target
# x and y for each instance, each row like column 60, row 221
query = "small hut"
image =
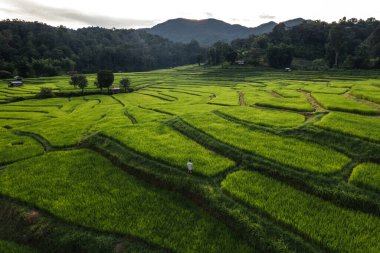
column 115, row 89
column 15, row 84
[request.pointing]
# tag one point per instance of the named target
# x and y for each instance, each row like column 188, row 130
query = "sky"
column 147, row 13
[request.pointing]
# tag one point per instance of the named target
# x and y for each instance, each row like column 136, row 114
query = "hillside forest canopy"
column 35, row 49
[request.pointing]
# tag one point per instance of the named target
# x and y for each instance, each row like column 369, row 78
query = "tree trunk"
column 336, row 59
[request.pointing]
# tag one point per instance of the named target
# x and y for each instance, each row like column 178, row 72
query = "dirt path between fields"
column 364, row 101
column 313, row 102
column 275, row 94
column 241, row 98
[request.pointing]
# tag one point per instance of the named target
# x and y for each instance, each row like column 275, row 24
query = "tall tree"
column 105, row 79
column 336, row 41
column 280, row 56
column 80, row 81
column 126, row 83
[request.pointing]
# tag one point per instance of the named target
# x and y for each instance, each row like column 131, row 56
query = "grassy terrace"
column 14, row 147
column 84, row 188
column 264, row 116
column 11, row 247
column 362, row 126
column 366, row 175
column 283, row 162
column 340, row 103
column 313, row 217
column 286, row 151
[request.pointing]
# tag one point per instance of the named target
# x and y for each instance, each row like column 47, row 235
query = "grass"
column 286, row 151
column 84, row 188
column 317, row 219
column 11, row 247
column 323, row 88
column 362, row 126
column 340, row 103
column 225, row 96
column 264, row 116
column 224, row 119
column 70, row 128
column 14, row 147
column 288, row 93
column 296, row 104
column 367, row 91
column 366, row 175
column 162, row 143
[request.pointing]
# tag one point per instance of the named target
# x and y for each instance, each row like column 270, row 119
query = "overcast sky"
column 146, row 13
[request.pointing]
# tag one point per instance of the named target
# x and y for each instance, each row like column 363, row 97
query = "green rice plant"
column 70, row 129
column 324, row 88
column 11, row 247
column 296, row 104
column 14, row 147
column 369, row 92
column 13, row 123
column 158, row 95
column 341, row 84
column 340, row 103
column 319, row 220
column 362, row 126
column 288, row 93
column 32, row 115
column 262, row 98
column 136, row 99
column 225, row 96
column 163, row 143
column 85, row 188
column 288, row 151
column 264, row 116
column 366, row 175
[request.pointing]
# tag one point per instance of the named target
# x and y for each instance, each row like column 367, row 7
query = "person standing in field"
column 189, row 167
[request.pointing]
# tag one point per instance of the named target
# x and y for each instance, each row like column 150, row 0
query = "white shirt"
column 189, row 165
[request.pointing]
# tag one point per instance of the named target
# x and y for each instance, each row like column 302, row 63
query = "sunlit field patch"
column 82, row 187
column 366, row 175
column 319, row 220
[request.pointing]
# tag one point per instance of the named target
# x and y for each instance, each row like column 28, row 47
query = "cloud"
column 267, row 16
column 209, row 14
column 51, row 14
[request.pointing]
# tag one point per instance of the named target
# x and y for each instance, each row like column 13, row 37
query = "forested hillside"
column 349, row 43
column 36, row 49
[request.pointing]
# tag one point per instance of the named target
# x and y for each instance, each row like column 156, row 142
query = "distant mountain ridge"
column 209, row 31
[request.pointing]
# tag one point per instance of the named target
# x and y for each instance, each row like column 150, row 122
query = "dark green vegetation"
column 366, row 175
column 317, row 219
column 10, row 247
column 278, row 167
column 89, row 191
column 311, row 45
column 35, row 49
column 32, row 49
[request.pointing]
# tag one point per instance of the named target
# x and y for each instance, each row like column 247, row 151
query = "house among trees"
column 115, row 89
column 240, row 62
column 15, row 84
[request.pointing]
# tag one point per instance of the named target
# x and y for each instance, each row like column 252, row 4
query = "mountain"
column 209, row 31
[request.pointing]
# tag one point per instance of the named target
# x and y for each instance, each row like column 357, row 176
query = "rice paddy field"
column 283, row 162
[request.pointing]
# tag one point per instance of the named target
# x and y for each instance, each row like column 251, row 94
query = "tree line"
column 35, row 49
column 348, row 43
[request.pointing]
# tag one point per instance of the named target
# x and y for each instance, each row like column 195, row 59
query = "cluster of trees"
column 36, row 49
column 349, row 43
column 104, row 79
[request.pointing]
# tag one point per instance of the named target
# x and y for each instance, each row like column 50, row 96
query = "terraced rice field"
column 283, row 162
